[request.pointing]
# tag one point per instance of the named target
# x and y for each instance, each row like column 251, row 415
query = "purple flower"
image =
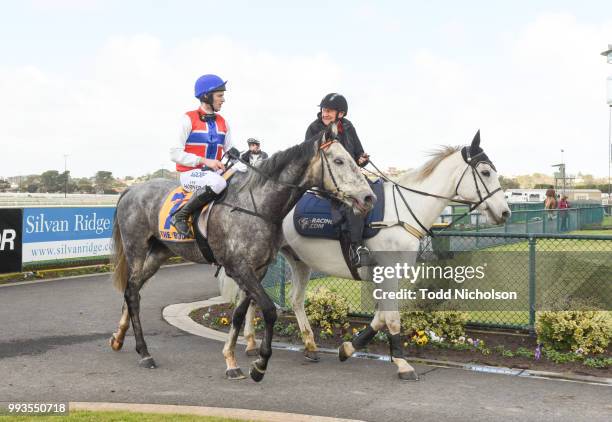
column 538, row 352
column 476, row 342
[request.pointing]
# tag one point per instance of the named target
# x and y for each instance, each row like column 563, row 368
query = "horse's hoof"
column 115, row 344
column 147, row 363
column 311, row 355
column 256, row 373
column 342, row 354
column 408, row 376
column 234, row 374
column 252, row 352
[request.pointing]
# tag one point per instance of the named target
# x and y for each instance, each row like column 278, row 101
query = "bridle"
column 472, row 164
column 336, row 194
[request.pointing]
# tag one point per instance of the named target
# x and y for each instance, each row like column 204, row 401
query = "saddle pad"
column 312, row 216
column 172, row 203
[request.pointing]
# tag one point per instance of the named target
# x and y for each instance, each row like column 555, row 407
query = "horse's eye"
column 339, row 161
column 486, row 173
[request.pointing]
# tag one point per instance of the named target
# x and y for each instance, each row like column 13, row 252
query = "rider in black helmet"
column 334, row 108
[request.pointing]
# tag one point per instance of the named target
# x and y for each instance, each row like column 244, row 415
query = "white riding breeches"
column 195, row 179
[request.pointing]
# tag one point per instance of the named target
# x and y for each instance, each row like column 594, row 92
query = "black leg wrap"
column 396, row 346
column 363, row 337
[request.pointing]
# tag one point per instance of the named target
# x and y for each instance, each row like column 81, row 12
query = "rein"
column 471, row 164
column 319, row 190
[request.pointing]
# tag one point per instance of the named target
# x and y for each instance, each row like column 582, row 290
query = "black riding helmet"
column 335, row 102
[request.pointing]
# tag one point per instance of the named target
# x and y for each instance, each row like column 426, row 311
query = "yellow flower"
column 224, row 321
column 355, row 331
column 421, row 333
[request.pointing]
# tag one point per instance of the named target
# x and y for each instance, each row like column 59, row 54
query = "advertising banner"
column 10, row 240
column 51, row 234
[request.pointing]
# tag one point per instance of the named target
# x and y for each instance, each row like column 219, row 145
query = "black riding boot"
column 180, row 220
column 354, row 224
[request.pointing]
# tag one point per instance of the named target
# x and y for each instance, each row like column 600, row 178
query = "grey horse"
column 243, row 231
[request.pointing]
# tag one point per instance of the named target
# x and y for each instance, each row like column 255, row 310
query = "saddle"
column 174, row 201
column 312, row 216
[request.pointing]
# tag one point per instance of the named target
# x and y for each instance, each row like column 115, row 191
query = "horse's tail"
column 120, row 275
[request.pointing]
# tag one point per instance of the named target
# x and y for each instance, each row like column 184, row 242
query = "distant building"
column 539, row 195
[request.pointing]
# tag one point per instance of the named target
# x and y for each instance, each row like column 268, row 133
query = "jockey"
column 334, row 108
column 202, row 141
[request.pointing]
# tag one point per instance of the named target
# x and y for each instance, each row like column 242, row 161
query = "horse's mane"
column 437, row 156
column 273, row 166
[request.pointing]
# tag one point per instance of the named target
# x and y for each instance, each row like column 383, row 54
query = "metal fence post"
column 526, row 221
column 532, row 282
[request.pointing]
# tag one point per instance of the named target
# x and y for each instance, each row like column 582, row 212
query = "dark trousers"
column 564, row 220
column 351, row 224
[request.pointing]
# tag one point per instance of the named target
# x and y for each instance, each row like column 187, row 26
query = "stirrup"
column 358, row 254
column 178, row 222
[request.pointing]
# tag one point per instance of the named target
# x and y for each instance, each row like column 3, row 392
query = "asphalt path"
column 54, row 347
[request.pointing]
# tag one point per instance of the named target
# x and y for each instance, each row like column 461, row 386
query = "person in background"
column 254, row 153
column 564, row 213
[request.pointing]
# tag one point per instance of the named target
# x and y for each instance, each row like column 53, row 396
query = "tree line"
column 53, row 181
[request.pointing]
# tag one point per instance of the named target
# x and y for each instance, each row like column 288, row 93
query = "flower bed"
column 507, row 349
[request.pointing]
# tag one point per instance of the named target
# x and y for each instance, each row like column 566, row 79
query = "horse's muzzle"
column 365, row 203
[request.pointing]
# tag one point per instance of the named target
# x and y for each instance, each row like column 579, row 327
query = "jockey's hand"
column 363, row 159
column 213, row 164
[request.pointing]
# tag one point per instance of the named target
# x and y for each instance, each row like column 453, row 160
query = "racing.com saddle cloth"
column 312, row 216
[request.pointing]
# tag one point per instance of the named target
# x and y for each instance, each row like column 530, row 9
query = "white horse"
column 461, row 174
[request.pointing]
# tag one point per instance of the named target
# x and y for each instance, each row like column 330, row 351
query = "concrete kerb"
column 178, row 316
column 243, row 414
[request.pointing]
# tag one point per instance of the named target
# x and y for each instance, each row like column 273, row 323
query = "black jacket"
column 247, row 156
column 348, row 137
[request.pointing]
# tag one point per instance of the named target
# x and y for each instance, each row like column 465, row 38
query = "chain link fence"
column 535, row 219
column 547, row 271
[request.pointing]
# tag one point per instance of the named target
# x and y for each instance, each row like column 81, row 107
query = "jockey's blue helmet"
column 207, row 84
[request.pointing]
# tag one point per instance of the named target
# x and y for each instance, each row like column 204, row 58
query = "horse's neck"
column 275, row 200
column 442, row 181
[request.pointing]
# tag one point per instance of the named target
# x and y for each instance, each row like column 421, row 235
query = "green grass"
column 561, row 245
column 89, row 416
column 593, row 232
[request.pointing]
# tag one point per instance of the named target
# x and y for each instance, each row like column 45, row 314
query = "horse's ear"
column 476, row 141
column 331, row 132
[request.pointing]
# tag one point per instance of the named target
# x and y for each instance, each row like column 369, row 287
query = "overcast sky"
column 107, row 81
